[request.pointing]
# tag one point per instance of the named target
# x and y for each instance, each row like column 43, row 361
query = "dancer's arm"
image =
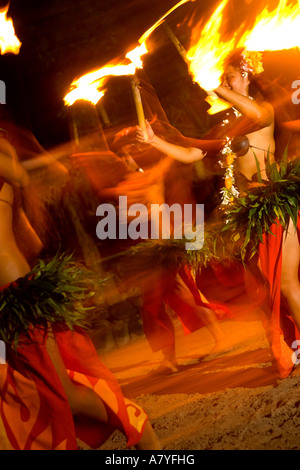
column 16, row 172
column 186, row 155
column 10, row 169
column 40, row 162
column 262, row 113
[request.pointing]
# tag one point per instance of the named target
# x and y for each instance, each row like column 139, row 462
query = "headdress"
column 247, row 61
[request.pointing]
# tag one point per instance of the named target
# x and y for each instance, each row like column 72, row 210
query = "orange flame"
column 276, row 30
column 208, row 51
column 8, row 40
column 206, row 56
column 136, row 54
column 273, row 30
column 85, row 92
column 160, row 21
column 88, row 87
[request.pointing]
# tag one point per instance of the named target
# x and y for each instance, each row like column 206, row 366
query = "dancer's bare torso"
column 262, row 142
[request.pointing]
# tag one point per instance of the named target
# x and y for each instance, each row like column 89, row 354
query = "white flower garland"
column 229, row 192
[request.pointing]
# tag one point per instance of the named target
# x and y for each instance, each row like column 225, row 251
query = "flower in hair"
column 252, row 62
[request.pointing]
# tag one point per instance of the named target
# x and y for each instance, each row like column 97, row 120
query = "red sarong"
column 35, row 413
column 178, row 289
column 270, row 257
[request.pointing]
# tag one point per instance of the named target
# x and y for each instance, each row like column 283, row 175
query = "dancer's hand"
column 145, row 136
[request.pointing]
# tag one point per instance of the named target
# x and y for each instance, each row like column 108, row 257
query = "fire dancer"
column 279, row 255
column 53, row 389
column 278, row 259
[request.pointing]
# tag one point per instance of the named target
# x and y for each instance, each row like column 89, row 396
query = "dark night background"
column 65, row 39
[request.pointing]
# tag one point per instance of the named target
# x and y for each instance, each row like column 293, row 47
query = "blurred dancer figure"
column 54, row 389
column 164, row 283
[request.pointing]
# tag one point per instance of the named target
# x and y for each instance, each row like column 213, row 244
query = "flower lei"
column 228, row 191
column 251, row 62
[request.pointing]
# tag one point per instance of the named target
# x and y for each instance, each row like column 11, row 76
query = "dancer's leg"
column 85, row 402
column 82, row 400
column 290, row 286
column 157, row 323
column 184, row 304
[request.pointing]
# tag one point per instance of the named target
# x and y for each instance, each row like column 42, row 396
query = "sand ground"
column 235, row 401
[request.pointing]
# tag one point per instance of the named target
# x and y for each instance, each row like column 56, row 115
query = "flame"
column 85, row 92
column 8, row 40
column 275, row 30
column 208, row 51
column 88, row 87
column 206, row 55
column 160, row 21
column 136, row 54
